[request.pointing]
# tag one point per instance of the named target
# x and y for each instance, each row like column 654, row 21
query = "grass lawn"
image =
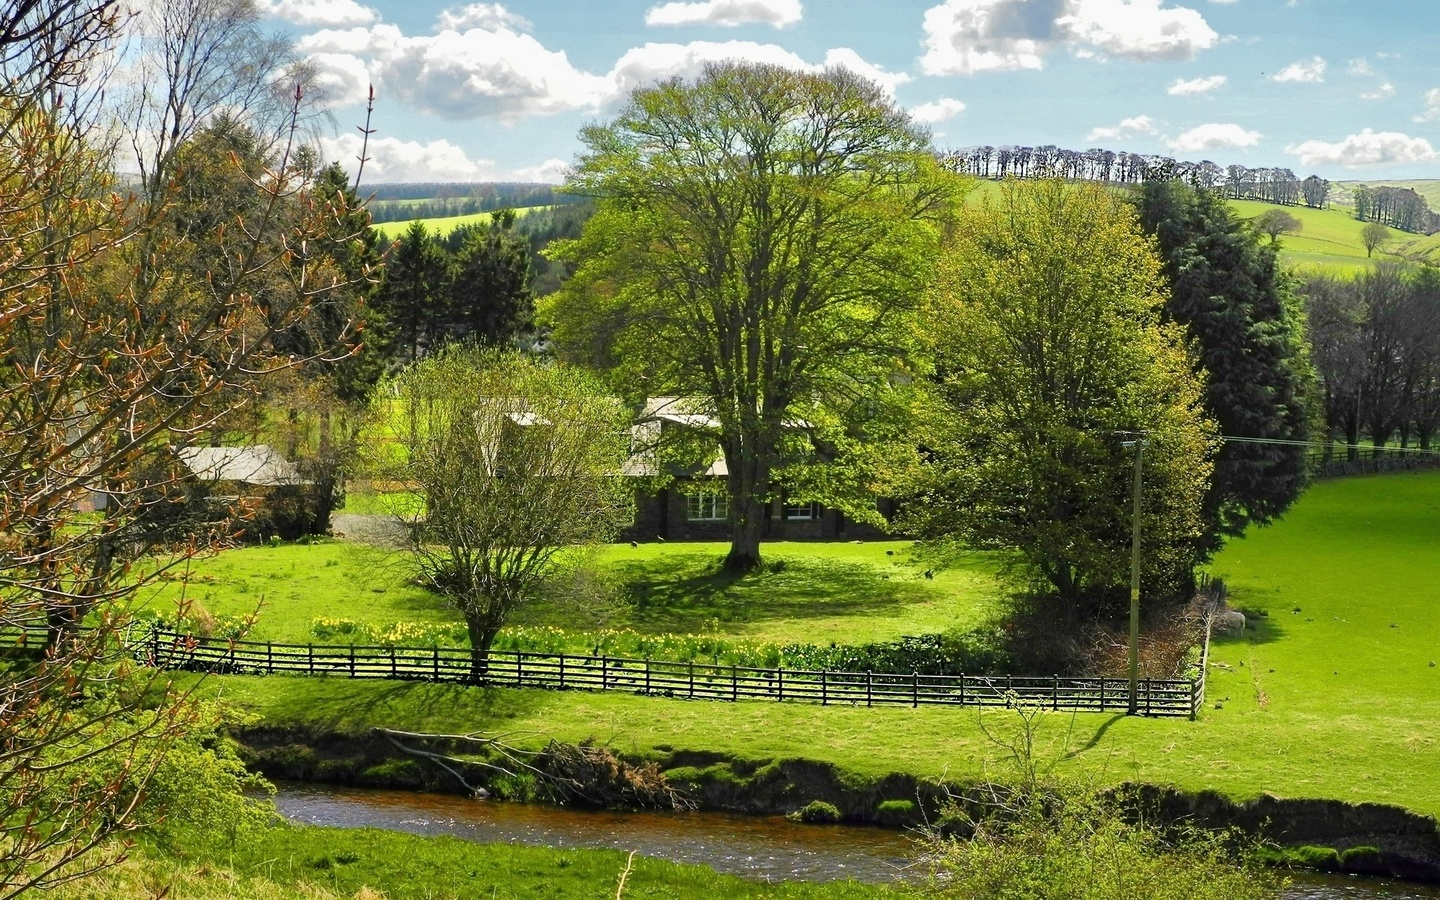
column 810, row 592
column 1337, row 700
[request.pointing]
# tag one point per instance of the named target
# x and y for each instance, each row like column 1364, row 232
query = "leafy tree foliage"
column 761, row 239
column 1376, row 342
column 516, row 461
column 1050, row 348
column 1374, row 235
column 1227, row 292
column 416, row 283
column 1276, row 222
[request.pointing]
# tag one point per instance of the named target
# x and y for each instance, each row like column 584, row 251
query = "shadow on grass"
column 356, row 706
column 1096, row 738
column 685, row 592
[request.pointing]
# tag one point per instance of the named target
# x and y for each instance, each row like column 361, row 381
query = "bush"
column 817, row 812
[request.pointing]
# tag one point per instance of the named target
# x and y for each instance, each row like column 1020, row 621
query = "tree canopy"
column 1227, row 291
column 1051, row 352
column 761, row 241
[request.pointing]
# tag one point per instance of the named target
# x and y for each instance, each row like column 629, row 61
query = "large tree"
column 1226, row 290
column 1051, row 354
column 761, row 239
column 516, row 461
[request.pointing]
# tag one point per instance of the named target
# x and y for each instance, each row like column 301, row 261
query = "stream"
column 761, row 848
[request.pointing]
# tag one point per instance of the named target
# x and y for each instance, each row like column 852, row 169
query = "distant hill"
column 1330, row 239
column 443, row 225
column 434, row 200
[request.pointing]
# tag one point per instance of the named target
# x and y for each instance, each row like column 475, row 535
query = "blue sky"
column 1347, row 89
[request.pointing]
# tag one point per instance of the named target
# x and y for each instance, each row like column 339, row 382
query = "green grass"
column 446, row 224
column 1328, row 702
column 312, row 863
column 809, row 593
column 288, row 586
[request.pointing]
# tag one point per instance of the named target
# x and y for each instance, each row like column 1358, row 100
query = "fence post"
column 352, row 660
column 1055, row 692
column 734, row 685
column 435, row 662
column 692, row 679
column 1102, row 693
column 915, row 689
column 155, row 647
column 962, row 688
column 604, row 673
column 520, row 668
column 562, row 671
column 310, row 658
column 269, row 657
column 869, row 685
column 647, row 675
column 823, row 692
column 393, row 670
column 780, row 684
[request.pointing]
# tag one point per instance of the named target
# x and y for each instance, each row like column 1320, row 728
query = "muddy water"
column 763, row 848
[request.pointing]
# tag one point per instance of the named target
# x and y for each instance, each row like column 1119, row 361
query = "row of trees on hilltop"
column 1272, row 185
column 1396, row 207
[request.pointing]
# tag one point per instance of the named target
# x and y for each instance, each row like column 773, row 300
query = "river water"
column 762, row 848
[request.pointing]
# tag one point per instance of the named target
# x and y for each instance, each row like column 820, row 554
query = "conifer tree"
column 1237, row 307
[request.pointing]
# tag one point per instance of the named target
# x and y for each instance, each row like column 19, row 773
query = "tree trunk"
column 482, row 636
column 747, row 524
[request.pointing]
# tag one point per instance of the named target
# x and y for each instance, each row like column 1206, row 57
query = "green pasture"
column 1332, row 695
column 808, row 593
column 445, row 224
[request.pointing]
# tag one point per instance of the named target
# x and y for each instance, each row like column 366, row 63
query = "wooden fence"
column 699, row 681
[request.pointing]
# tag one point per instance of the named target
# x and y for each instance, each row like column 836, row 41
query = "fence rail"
column 700, row 681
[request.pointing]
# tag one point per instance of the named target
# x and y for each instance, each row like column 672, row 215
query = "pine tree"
column 416, row 290
column 490, row 300
column 1237, row 307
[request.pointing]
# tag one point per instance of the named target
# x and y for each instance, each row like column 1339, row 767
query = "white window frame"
column 806, row 511
column 707, row 506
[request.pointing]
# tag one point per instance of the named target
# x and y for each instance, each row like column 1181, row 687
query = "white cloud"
column 641, row 66
column 937, row 111
column 1360, row 67
column 779, row 13
column 1386, row 89
column 1128, row 128
column 1432, row 106
column 1305, row 71
column 1185, row 87
column 1140, row 29
column 966, row 36
column 1213, row 136
column 494, row 71
column 1368, row 148
column 488, row 16
column 318, row 13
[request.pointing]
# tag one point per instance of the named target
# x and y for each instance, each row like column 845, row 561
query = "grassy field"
column 310, row 863
column 446, row 224
column 1332, row 696
column 809, row 593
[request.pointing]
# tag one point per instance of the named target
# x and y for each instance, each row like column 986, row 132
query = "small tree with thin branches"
column 515, row 462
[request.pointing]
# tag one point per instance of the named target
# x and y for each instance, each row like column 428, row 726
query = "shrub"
column 1363, row 861
column 817, row 812
column 1326, row 859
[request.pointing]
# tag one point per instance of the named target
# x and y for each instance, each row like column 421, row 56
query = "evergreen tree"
column 1227, row 291
column 490, row 300
column 416, row 290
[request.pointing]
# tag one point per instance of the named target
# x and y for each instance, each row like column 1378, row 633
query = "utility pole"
column 1139, row 445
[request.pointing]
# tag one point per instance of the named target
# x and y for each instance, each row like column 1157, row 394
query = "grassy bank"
column 1332, row 695
column 312, row 863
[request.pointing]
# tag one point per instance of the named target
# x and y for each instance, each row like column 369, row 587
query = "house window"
column 794, row 511
column 706, row 506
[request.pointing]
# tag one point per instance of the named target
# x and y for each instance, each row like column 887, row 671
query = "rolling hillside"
column 443, row 226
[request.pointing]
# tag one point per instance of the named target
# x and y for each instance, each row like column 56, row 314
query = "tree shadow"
column 1096, row 738
column 688, row 592
column 485, row 707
